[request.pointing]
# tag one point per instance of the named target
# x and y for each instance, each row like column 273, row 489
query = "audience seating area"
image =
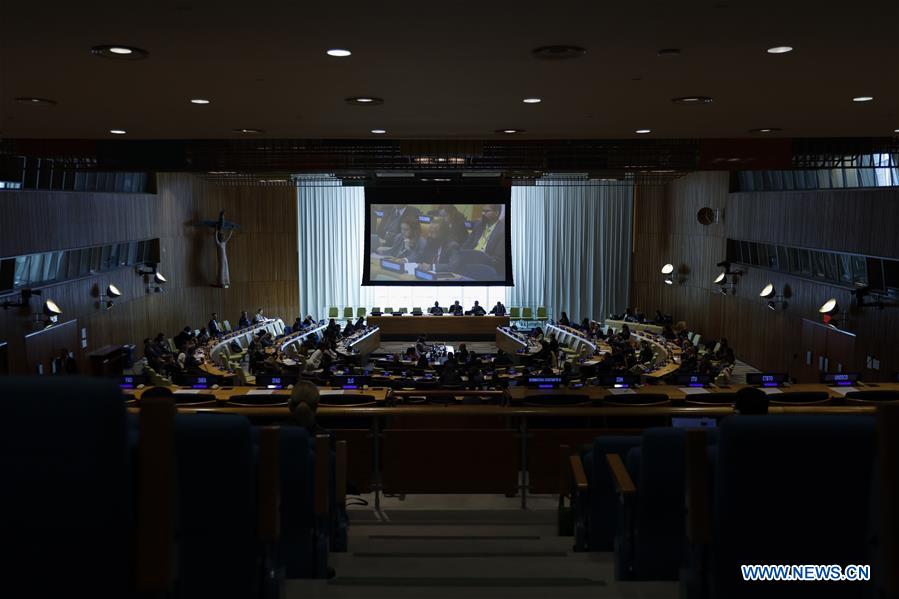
column 186, row 504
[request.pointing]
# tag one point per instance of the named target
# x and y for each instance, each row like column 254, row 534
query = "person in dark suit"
column 499, row 309
column 183, row 337
column 487, row 242
column 477, row 309
column 436, row 309
column 563, row 320
column 456, row 309
column 456, row 223
column 213, row 327
column 389, row 227
column 65, row 364
column 244, row 321
column 501, row 359
column 440, row 254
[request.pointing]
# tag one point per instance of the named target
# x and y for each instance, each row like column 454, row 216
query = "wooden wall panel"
column 666, row 230
column 262, row 256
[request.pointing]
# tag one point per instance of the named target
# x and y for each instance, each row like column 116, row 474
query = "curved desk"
column 360, row 344
column 242, row 337
column 515, row 343
column 453, row 328
column 655, row 329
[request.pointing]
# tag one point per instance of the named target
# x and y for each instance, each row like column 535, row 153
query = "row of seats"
column 696, row 505
column 101, row 503
column 516, row 313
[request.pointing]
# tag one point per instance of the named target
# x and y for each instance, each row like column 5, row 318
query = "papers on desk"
column 622, row 392
column 260, row 391
column 693, row 390
column 331, row 392
column 410, row 267
column 842, row 390
column 770, row 390
column 186, row 392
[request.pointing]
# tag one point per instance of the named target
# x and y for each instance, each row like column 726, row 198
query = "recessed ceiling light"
column 338, row 52
column 119, row 52
column 692, row 100
column 558, row 52
column 643, row 131
column 862, row 98
column 199, row 101
column 510, row 131
column 379, row 131
column 668, row 52
column 118, row 131
column 895, row 130
column 246, row 130
column 780, row 49
column 35, row 101
column 766, row 130
column 364, row 100
column 532, row 100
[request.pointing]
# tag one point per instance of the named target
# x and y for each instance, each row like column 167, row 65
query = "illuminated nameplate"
column 693, row 380
column 840, row 379
column 424, row 218
column 388, row 264
column 131, row 381
column 275, row 381
column 197, row 382
column 544, row 382
column 425, row 275
column 766, row 379
column 379, row 213
column 469, row 224
column 349, row 382
column 619, row 381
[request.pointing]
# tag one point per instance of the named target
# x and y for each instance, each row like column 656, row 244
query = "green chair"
column 417, row 310
column 514, row 313
column 388, row 310
column 541, row 314
column 348, row 314
column 404, row 311
column 527, row 314
column 226, row 325
column 332, row 312
column 360, row 312
column 376, row 309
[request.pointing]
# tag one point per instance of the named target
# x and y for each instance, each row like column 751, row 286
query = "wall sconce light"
column 155, row 286
column 769, row 293
column 108, row 298
column 51, row 312
column 667, row 271
column 832, row 314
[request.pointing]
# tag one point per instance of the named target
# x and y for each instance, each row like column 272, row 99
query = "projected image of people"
column 427, row 243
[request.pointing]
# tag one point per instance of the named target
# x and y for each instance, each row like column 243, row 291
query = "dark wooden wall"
column 263, row 256
column 666, row 230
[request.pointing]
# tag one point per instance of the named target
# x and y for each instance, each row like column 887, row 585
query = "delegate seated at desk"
column 408, row 245
column 499, row 309
column 486, row 244
column 436, row 309
column 440, row 253
column 390, row 224
column 477, row 310
column 456, row 309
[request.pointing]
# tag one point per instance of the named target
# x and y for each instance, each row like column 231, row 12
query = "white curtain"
column 330, row 240
column 571, row 247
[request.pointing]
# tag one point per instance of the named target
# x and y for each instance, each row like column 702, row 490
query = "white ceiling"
column 451, row 69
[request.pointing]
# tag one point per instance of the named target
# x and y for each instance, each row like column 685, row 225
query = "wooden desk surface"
column 438, row 325
column 655, row 329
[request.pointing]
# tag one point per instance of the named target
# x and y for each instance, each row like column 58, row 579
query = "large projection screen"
column 437, row 236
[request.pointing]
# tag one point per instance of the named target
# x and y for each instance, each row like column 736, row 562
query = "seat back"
column 348, row 312
column 226, row 325
column 403, row 311
column 637, row 399
column 66, row 508
column 388, row 310
column 360, row 312
column 719, row 398
column 527, row 313
column 794, row 398
column 333, row 312
column 604, row 503
column 541, row 312
column 873, row 397
column 777, row 480
column 514, row 313
column 216, row 489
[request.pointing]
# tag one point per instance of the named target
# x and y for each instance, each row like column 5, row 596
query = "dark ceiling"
column 450, row 70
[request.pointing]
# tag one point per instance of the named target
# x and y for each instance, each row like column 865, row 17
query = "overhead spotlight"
column 643, row 131
column 720, row 278
column 119, row 52
column 338, row 52
column 509, row 131
column 118, row 131
column 780, row 49
column 862, row 98
column 766, row 130
column 108, row 298
column 364, row 101
column 199, row 101
column 770, row 293
column 692, row 100
column 379, row 131
column 532, row 100
column 767, row 291
column 246, row 130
